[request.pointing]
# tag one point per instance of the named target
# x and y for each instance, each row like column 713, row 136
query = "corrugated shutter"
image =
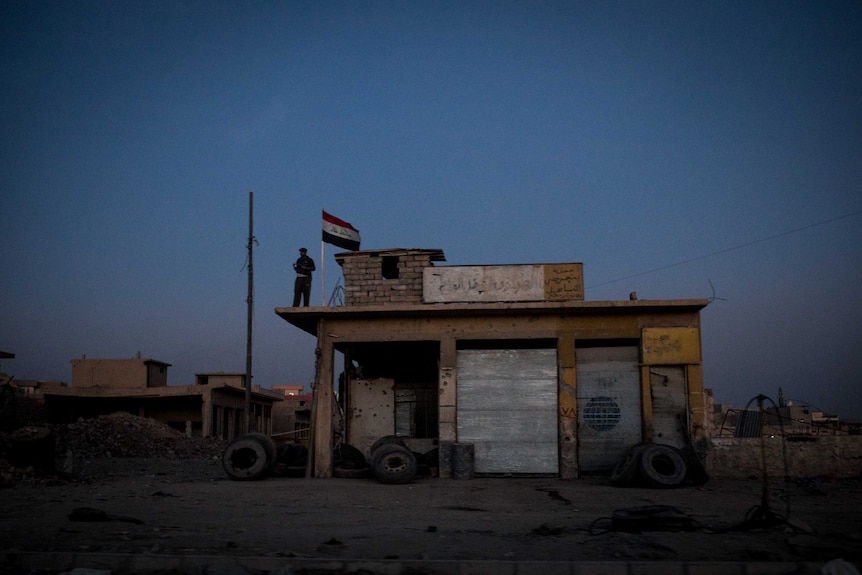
column 609, row 405
column 507, row 408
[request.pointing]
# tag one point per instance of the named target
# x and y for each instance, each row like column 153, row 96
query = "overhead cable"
column 724, row 251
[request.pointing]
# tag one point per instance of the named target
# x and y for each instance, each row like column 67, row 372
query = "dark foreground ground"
column 167, row 507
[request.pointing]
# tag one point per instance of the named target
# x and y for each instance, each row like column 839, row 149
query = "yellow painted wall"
column 670, row 345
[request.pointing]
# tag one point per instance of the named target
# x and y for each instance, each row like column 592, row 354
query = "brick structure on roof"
column 385, row 277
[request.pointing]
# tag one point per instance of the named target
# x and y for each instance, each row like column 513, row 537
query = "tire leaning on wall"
column 627, row 471
column 662, row 466
column 247, row 458
column 393, row 464
column 386, row 440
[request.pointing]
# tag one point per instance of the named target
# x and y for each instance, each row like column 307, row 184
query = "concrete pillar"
column 322, row 413
column 207, row 427
column 447, row 408
column 697, row 404
column 567, row 401
column 647, row 429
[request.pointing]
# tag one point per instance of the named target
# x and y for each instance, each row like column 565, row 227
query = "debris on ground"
column 115, row 435
column 122, row 434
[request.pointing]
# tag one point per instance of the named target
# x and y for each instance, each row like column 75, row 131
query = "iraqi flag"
column 339, row 233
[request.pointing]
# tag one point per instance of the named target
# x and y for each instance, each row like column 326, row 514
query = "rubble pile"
column 122, row 434
column 43, row 452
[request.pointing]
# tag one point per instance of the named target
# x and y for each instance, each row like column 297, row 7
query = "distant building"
column 782, row 420
column 119, row 373
column 291, row 417
column 213, row 406
column 289, row 390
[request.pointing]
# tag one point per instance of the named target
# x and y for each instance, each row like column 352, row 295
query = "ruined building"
column 508, row 358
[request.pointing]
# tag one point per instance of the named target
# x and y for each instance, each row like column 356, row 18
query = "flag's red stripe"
column 338, row 222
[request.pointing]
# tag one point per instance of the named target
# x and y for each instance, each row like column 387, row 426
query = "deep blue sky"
column 629, row 136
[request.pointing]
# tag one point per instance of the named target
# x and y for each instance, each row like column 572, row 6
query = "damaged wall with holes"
column 510, row 359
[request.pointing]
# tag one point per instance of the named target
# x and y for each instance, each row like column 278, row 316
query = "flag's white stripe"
column 341, row 231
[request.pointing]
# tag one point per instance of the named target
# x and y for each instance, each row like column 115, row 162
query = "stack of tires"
column 658, row 466
column 254, row 456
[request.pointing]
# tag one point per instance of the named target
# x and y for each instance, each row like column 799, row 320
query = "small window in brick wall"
column 390, row 267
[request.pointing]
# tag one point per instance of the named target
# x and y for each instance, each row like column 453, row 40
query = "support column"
column 568, row 406
column 322, row 415
column 447, row 406
column 647, row 429
column 696, row 403
column 207, row 424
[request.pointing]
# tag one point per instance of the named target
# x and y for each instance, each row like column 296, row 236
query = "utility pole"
column 249, row 420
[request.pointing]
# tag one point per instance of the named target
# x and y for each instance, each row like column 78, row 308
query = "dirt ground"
column 182, row 506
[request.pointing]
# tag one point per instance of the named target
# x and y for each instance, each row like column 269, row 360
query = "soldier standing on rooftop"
column 302, row 287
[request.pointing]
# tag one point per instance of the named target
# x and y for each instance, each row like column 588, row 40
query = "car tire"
column 627, row 471
column 245, row 459
column 386, row 440
column 393, row 464
column 662, row 466
column 268, row 445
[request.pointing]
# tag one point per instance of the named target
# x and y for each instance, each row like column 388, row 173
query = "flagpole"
column 322, row 276
column 341, row 234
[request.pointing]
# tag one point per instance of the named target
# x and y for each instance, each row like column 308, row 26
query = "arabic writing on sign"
column 564, row 282
column 483, row 283
column 531, row 282
column 486, row 284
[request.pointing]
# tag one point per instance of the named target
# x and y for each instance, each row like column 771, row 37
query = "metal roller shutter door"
column 507, row 408
column 609, row 405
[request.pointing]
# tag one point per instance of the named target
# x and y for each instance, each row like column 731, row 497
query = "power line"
column 724, row 251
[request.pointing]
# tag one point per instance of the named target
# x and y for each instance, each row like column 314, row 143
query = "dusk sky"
column 672, row 147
